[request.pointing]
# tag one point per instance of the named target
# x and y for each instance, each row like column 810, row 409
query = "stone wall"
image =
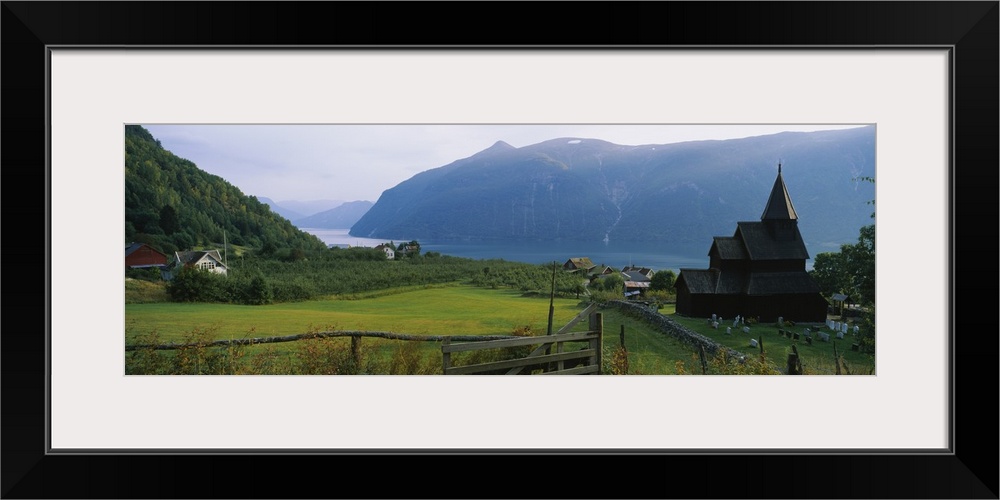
column 670, row 327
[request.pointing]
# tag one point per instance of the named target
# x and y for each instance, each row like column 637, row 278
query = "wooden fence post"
column 597, row 325
column 704, row 362
column 356, row 351
column 446, row 356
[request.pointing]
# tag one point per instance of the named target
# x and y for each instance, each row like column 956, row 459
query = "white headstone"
column 715, row 325
column 753, row 343
column 836, row 326
column 856, row 329
column 845, row 328
column 840, row 335
column 746, row 329
column 713, row 317
column 729, row 331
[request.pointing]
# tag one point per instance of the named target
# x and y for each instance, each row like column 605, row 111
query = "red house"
column 141, row 255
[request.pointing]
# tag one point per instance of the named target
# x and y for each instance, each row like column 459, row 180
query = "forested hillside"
column 173, row 205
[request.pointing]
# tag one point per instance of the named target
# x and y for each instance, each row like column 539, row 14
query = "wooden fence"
column 552, row 356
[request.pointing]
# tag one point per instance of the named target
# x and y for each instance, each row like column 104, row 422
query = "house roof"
column 644, row 270
column 781, row 283
column 580, row 263
column 636, row 284
column 779, row 204
column 193, row 257
column 602, row 270
column 840, row 297
column 637, row 276
column 760, row 245
column 729, row 248
column 132, row 247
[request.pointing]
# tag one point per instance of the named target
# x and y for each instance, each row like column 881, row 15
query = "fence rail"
column 318, row 335
column 564, row 362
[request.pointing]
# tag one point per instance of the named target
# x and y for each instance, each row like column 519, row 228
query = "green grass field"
column 451, row 310
column 437, row 310
column 441, row 310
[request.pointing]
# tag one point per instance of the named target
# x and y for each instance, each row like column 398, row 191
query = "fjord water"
column 616, row 254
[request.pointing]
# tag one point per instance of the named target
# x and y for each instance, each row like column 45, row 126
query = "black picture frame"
column 969, row 28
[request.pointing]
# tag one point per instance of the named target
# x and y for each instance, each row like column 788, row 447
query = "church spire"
column 779, row 204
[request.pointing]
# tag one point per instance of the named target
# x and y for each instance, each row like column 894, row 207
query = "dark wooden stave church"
column 759, row 271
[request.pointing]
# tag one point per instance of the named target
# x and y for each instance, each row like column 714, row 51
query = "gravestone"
column 840, row 335
column 753, row 343
column 844, row 329
column 746, row 329
column 729, row 331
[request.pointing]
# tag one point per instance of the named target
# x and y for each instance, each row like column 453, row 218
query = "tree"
column 663, row 280
column 852, row 272
column 168, row 220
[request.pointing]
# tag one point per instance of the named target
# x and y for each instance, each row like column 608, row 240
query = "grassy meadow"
column 426, row 310
column 442, row 309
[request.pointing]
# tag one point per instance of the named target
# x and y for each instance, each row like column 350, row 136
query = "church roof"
column 781, row 283
column 761, row 245
column 779, row 204
column 699, row 280
column 729, row 248
column 712, row 281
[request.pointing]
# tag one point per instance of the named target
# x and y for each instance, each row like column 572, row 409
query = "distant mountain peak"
column 497, row 147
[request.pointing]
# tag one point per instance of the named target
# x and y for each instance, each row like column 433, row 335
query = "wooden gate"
column 552, row 356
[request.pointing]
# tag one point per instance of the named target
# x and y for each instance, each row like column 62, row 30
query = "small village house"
column 583, row 264
column 206, row 260
column 390, row 253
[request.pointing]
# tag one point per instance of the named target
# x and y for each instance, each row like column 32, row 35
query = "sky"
column 358, row 162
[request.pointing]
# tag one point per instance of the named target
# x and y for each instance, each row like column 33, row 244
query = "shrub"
column 194, row 285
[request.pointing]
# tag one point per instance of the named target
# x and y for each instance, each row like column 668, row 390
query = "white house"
column 207, row 260
column 390, row 253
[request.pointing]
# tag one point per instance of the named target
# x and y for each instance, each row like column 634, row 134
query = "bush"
column 194, row 285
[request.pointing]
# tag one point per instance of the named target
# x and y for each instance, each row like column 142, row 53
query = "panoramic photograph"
column 496, row 249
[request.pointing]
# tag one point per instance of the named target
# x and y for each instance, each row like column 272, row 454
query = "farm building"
column 759, row 271
column 579, row 264
column 141, row 255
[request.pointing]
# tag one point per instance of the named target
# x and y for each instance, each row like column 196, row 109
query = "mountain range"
column 583, row 189
column 342, row 216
